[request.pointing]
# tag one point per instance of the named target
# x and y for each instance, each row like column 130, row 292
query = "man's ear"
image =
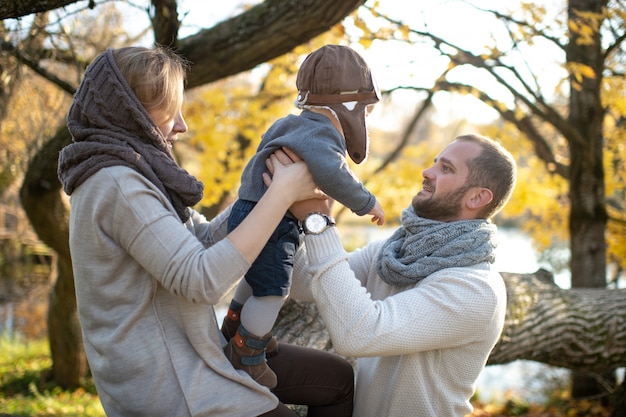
column 479, row 197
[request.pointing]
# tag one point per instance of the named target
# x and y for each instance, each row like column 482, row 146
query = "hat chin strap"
column 368, row 97
column 354, row 129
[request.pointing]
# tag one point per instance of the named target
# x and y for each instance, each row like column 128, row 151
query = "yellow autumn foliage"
column 34, row 114
column 539, row 203
column 615, row 169
column 402, row 179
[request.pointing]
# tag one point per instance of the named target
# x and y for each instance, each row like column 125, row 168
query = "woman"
column 148, row 269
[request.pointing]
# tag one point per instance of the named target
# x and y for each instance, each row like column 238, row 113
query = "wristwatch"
column 316, row 223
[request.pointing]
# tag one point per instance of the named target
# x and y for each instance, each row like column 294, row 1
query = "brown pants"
column 322, row 381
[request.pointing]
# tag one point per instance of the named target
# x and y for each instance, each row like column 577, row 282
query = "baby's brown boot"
column 247, row 352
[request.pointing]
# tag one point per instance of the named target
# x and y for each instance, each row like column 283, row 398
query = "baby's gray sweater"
column 314, row 139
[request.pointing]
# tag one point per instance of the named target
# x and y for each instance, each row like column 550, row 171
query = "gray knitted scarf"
column 421, row 247
column 109, row 126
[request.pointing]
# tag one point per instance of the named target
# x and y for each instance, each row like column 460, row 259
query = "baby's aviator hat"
column 337, row 77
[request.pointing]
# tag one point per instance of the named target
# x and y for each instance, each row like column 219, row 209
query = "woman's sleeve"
column 141, row 220
column 301, row 282
column 210, row 232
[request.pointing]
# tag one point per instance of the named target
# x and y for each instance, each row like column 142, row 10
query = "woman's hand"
column 291, row 175
column 291, row 182
column 318, row 201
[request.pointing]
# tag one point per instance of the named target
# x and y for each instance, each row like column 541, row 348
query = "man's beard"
column 442, row 208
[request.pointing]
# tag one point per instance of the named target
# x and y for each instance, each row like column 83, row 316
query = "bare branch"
column 33, row 64
column 532, row 29
column 614, row 46
column 524, row 125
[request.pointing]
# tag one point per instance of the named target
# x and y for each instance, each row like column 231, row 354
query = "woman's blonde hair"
column 156, row 75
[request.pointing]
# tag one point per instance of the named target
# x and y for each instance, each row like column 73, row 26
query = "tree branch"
column 33, row 64
column 165, row 22
column 16, row 9
column 578, row 329
column 265, row 31
column 524, row 125
column 533, row 31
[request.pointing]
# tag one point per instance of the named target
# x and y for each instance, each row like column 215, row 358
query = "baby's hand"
column 377, row 213
column 378, row 220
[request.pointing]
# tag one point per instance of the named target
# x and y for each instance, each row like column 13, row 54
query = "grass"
column 24, row 392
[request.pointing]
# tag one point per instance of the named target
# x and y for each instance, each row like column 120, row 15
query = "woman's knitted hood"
column 109, row 127
column 105, row 104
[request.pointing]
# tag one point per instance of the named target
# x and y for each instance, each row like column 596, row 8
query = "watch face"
column 315, row 223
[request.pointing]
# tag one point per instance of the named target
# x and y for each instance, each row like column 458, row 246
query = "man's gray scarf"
column 421, row 247
column 109, row 126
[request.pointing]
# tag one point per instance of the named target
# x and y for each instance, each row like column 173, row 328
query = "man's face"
column 444, row 188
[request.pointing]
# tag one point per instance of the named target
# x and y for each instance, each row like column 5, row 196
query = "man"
column 423, row 309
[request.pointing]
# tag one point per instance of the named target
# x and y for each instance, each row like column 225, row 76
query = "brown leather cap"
column 334, row 75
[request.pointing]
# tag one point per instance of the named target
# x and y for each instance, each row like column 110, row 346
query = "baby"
column 335, row 92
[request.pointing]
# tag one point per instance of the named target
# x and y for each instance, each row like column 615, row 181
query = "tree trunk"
column 69, row 365
column 48, row 214
column 578, row 329
column 165, row 23
column 588, row 217
column 301, row 324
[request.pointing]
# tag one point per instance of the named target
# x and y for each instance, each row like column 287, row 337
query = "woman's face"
column 170, row 126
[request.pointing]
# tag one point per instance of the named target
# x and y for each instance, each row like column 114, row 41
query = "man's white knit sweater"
column 421, row 347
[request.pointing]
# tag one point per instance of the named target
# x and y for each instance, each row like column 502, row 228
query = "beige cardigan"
column 146, row 285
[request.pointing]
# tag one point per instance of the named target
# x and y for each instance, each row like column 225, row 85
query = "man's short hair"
column 494, row 168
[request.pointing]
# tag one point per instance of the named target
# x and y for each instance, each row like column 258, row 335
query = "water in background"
column 520, row 379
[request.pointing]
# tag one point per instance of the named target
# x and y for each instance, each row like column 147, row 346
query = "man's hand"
column 303, row 208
